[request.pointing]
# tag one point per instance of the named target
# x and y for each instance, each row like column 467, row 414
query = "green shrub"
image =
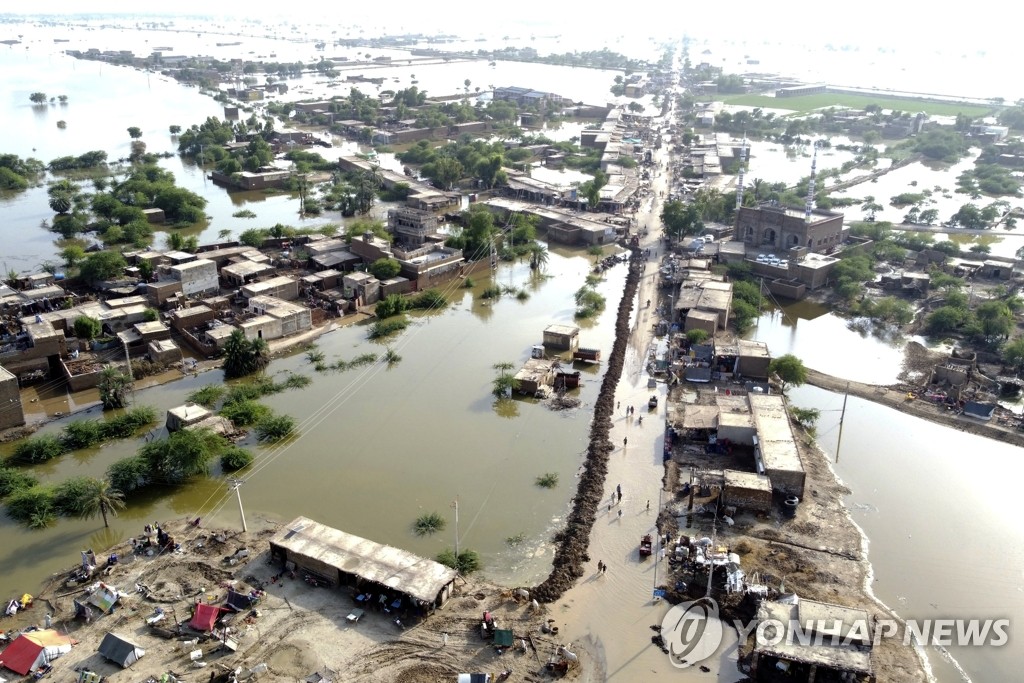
column 548, row 480
column 13, row 480
column 296, row 382
column 128, row 423
column 245, row 413
column 491, row 292
column 128, row 474
column 384, row 328
column 38, row 449
column 81, row 434
column 466, row 562
column 430, row 299
column 68, row 495
column 250, row 391
column 429, row 523
column 33, row 507
column 235, row 458
column 275, row 428
column 391, row 305
column 87, row 328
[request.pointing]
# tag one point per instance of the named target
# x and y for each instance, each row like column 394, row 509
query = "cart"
column 645, row 546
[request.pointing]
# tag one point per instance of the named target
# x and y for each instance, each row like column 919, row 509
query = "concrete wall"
column 11, row 411
column 788, row 482
column 197, row 277
column 747, row 499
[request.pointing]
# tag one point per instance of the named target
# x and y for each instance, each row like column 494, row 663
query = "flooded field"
column 380, row 446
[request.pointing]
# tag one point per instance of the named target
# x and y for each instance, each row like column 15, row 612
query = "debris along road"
column 609, row 613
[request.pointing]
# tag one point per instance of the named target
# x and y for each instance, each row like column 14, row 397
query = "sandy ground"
column 290, row 629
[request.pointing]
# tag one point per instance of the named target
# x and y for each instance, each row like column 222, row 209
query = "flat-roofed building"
column 197, row 278
column 562, row 337
column 244, row 272
column 280, row 287
column 12, row 413
column 776, row 451
column 275, row 318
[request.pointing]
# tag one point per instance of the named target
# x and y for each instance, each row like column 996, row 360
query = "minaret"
column 809, row 206
column 739, row 180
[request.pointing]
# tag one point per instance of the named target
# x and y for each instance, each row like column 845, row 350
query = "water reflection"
column 507, row 408
column 827, row 342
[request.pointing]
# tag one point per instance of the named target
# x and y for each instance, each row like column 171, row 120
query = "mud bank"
column 571, row 541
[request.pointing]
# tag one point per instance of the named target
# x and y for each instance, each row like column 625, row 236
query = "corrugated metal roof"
column 392, row 567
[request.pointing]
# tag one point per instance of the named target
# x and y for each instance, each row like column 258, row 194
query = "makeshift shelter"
column 120, row 650
column 205, row 617
column 340, row 558
column 239, row 602
column 104, row 598
column 475, row 678
column 34, row 649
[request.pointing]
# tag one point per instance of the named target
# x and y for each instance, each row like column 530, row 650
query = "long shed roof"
column 392, row 567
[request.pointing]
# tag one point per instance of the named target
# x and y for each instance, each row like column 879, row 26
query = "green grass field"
column 806, row 103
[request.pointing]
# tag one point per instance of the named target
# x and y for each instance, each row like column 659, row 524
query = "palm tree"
column 114, row 387
column 101, row 497
column 538, row 256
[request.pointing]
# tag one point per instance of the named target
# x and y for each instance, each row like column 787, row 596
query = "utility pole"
column 456, row 506
column 842, row 416
column 236, row 485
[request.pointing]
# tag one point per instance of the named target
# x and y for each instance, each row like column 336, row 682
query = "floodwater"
column 941, row 508
column 828, row 343
column 380, row 446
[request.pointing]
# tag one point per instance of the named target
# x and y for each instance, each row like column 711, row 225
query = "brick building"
column 779, row 228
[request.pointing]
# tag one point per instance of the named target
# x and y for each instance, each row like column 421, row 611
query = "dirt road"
column 898, row 398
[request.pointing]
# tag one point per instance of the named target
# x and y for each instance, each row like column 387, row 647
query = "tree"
column 243, row 356
column 72, row 255
column 138, row 150
column 38, row 98
column 114, row 387
column 996, row 319
column 538, row 256
column 134, row 132
column 103, row 265
column 385, row 268
column 98, row 498
column 174, row 129
column 681, row 219
column 61, row 202
column 87, row 328
column 789, row 369
column 444, row 172
column 1013, row 354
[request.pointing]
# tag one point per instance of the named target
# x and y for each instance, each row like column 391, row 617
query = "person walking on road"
column 625, row 440
column 620, row 514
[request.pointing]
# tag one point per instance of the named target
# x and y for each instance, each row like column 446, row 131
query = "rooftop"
column 774, row 433
column 194, row 265
column 844, row 655
column 399, row 569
